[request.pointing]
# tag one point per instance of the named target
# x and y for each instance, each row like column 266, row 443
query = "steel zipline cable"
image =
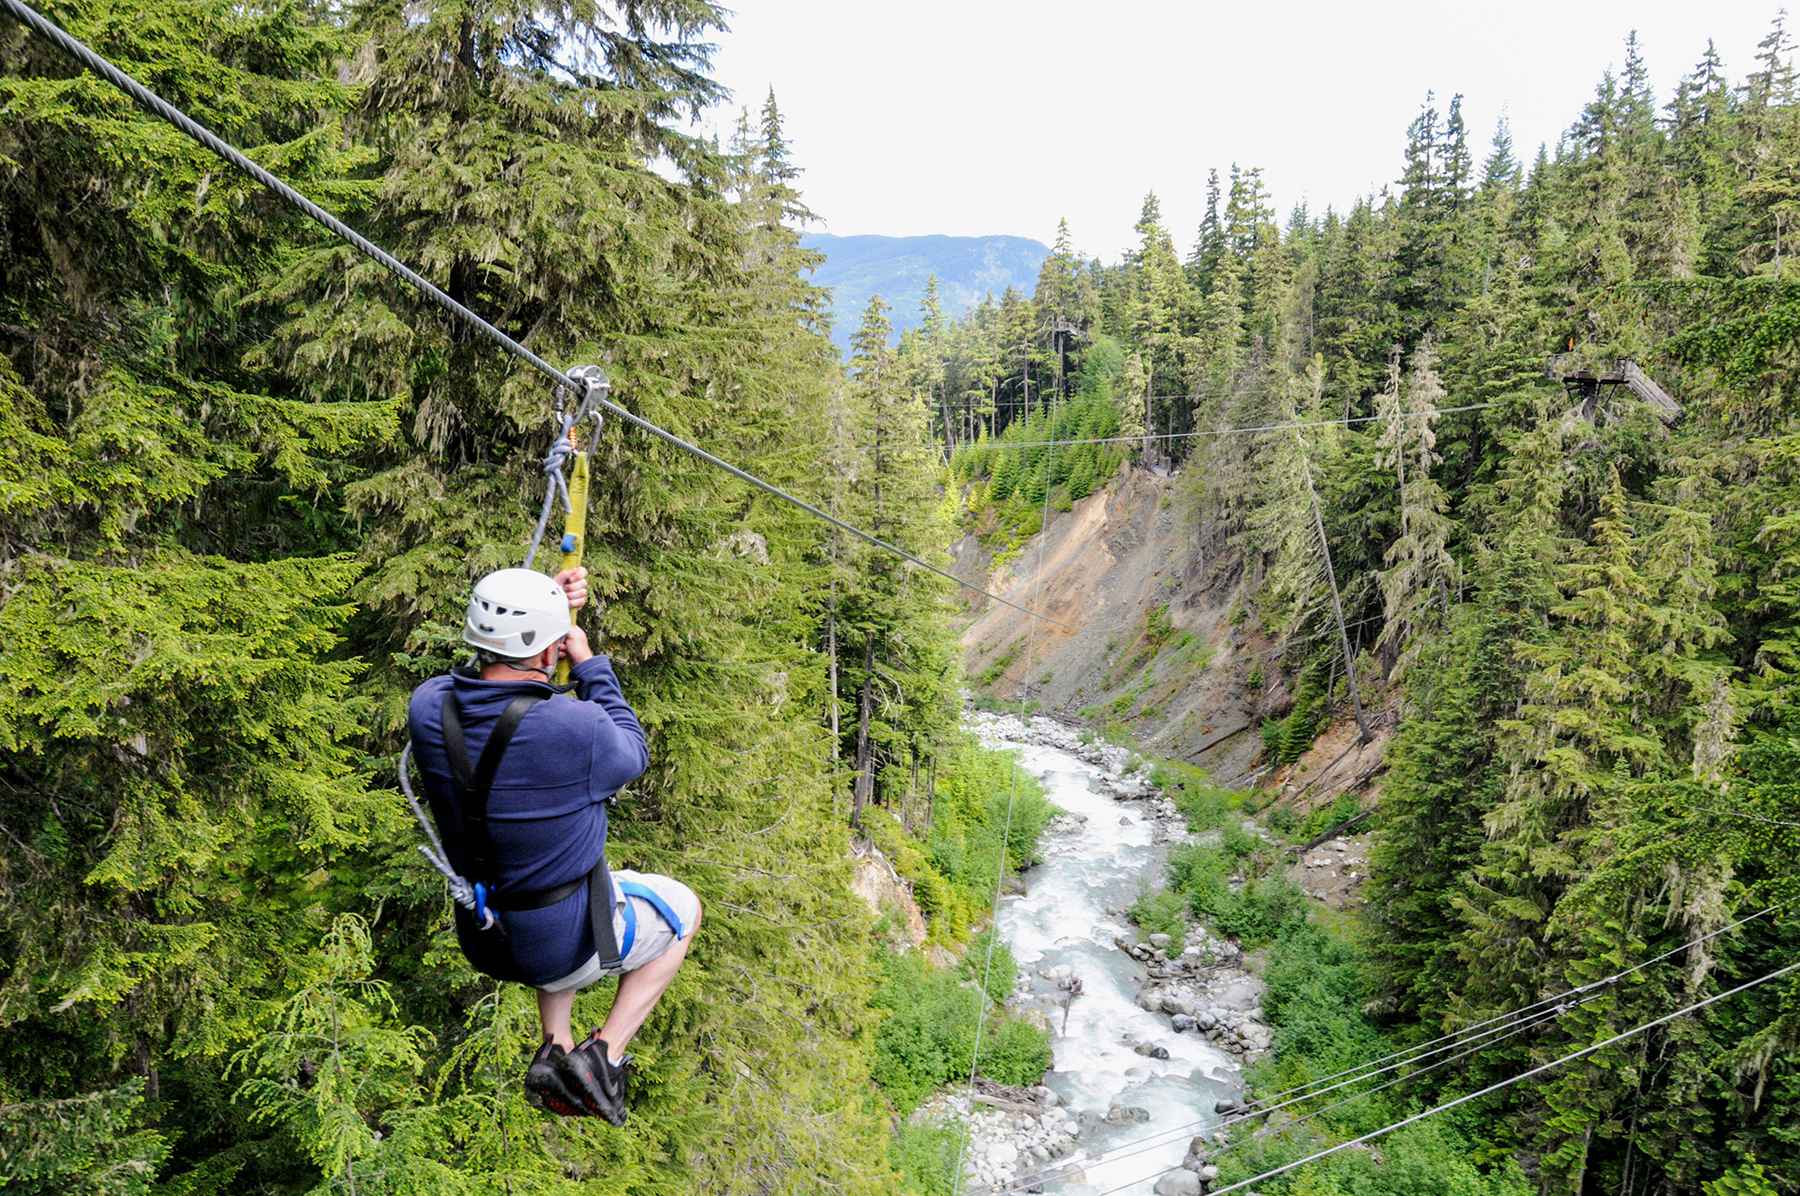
column 168, row 112
column 1539, row 1070
column 1492, row 1030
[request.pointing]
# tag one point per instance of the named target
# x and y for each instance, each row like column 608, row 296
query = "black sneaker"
column 594, row 1077
column 545, row 1086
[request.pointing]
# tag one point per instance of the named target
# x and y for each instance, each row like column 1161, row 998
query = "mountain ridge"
column 897, row 268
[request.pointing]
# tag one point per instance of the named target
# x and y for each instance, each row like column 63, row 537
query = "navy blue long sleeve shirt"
column 547, row 807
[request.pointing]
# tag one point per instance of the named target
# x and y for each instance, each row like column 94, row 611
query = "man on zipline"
column 519, row 786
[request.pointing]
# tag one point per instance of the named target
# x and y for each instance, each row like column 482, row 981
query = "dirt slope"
column 1151, row 641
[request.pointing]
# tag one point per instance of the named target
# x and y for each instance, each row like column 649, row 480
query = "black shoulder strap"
column 477, row 847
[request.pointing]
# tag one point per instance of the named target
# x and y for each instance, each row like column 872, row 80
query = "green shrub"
column 1748, row 1178
column 1002, row 972
column 1342, row 810
column 1193, row 866
column 1204, row 804
column 1237, row 842
column 1255, row 680
column 1162, row 912
column 1015, row 1052
column 1318, row 981
column 1431, row 1158
column 928, row 1033
column 1260, row 910
column 926, row 1153
column 996, row 669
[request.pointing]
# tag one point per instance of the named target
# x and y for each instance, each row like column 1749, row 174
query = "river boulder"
column 1178, row 1183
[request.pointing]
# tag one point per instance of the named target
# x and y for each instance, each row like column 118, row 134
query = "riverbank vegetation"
column 949, row 853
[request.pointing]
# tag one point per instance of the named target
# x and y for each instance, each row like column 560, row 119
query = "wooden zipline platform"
column 1584, row 378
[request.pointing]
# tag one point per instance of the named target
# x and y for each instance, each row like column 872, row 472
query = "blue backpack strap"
column 632, row 888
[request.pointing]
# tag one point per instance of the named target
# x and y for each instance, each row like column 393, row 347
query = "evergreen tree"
column 893, row 633
column 1421, row 575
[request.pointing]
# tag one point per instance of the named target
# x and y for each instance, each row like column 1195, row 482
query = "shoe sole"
column 547, row 1093
column 594, row 1098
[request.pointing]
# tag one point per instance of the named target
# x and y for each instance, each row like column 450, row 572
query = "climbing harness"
column 465, row 892
column 492, row 954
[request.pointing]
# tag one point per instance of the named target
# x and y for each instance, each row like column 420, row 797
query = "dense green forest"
column 1580, row 609
column 247, row 481
column 246, row 478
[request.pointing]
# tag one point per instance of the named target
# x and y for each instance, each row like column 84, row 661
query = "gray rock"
column 1182, row 1023
column 1149, row 1000
column 1172, row 1004
column 1046, row 1096
column 1178, row 1183
column 1241, row 994
column 1160, row 941
column 1125, row 1115
column 1207, row 1173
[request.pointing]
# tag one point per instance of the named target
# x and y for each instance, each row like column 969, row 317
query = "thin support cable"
column 167, row 111
column 1005, row 838
column 1723, row 813
column 1267, row 1131
column 1488, row 1091
column 998, row 443
column 1549, row 1006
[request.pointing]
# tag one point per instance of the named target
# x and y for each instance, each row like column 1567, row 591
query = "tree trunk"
column 911, row 793
column 865, row 759
column 832, row 668
column 1025, row 380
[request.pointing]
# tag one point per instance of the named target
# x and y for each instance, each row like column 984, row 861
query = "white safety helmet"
column 516, row 613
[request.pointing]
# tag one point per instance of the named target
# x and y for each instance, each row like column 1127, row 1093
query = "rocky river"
column 1147, row 1047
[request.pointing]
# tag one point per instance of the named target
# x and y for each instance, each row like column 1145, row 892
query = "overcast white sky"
column 999, row 116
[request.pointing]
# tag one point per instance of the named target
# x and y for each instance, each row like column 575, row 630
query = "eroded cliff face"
column 1156, row 635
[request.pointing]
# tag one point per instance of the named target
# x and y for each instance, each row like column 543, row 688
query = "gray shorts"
column 654, row 935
